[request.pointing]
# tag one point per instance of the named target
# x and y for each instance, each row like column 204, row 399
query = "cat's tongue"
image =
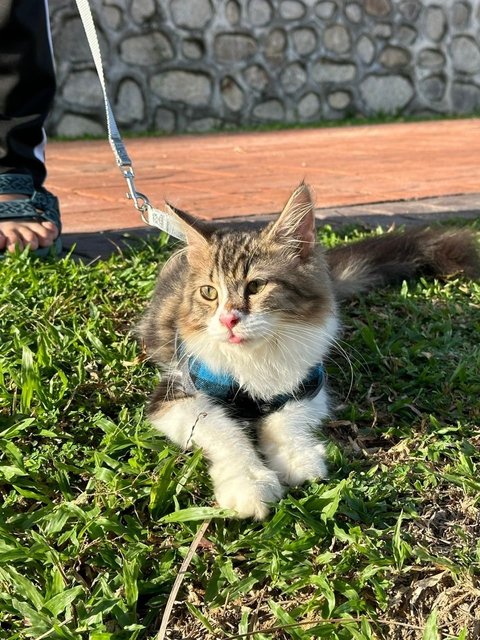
column 235, row 339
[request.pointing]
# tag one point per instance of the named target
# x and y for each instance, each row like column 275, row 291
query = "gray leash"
column 150, row 215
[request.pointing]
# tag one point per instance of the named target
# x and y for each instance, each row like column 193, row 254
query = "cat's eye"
column 208, row 292
column 255, row 286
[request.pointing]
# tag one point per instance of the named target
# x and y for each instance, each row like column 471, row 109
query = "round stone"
column 192, row 49
column 112, row 17
column 256, row 77
column 309, row 106
column 204, row 125
column 337, row 39
column 353, row 12
column 365, row 49
column 382, row 30
column 234, row 47
column 130, row 104
column 188, row 87
column 270, row 110
column 74, row 126
column 293, row 77
column 394, row 57
column 325, row 10
column 82, row 88
column 304, row 40
column 232, row 95
column 339, row 99
column 433, row 88
column 292, row 10
column 275, row 45
column 324, row 71
column 165, row 120
column 406, row 35
column 410, row 10
column 259, row 12
column 465, row 98
column 233, row 12
column 435, row 23
column 460, row 14
column 465, row 54
column 142, row 10
column 431, row 59
column 193, row 14
column 386, row 94
column 146, row 50
column 378, row 8
column 72, row 31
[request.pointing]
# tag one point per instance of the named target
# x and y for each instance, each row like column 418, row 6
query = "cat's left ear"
column 196, row 231
column 295, row 226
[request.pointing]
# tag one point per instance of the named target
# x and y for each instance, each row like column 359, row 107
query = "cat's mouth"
column 235, row 338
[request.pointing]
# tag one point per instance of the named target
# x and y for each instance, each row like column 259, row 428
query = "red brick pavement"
column 239, row 174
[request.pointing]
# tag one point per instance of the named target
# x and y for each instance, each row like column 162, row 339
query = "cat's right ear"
column 196, row 231
column 295, row 227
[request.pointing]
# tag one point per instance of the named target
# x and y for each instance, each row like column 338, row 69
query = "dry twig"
column 179, row 579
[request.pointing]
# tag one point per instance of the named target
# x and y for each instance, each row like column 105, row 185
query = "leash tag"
column 162, row 220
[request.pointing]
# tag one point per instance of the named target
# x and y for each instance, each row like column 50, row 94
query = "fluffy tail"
column 394, row 257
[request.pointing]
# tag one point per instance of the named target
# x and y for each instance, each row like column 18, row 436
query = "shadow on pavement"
column 100, row 245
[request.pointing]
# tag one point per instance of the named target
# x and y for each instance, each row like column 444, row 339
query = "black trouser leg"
column 27, row 86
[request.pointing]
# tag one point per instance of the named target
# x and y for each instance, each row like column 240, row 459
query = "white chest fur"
column 268, row 367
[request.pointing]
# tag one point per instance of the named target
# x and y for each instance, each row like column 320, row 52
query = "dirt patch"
column 448, row 529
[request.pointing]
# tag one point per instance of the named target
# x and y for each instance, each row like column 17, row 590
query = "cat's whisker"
column 355, row 356
column 335, row 344
column 177, row 361
column 285, row 350
column 171, row 372
column 157, row 350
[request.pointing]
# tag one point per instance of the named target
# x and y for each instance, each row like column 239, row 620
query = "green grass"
column 98, row 511
column 352, row 120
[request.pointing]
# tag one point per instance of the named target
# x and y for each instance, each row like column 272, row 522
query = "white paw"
column 296, row 466
column 248, row 493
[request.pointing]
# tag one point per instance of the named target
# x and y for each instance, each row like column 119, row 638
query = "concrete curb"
column 100, row 245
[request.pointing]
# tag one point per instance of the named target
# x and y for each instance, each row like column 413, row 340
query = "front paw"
column 248, row 492
column 294, row 467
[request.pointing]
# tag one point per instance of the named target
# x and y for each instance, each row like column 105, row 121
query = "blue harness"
column 224, row 389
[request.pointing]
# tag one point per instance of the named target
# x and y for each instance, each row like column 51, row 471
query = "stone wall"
column 194, row 65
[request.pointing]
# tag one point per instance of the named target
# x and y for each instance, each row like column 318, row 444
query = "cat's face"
column 243, row 290
column 248, row 289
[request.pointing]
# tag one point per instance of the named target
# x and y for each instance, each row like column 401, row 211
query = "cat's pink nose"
column 229, row 319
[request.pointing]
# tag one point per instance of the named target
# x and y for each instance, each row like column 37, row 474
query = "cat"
column 241, row 324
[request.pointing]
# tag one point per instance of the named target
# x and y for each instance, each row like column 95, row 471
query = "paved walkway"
column 374, row 172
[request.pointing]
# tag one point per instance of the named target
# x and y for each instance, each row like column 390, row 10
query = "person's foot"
column 20, row 233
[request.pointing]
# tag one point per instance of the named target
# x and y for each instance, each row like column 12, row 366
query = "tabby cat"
column 241, row 324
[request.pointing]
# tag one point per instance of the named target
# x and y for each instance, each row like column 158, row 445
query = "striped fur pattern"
column 262, row 307
column 394, row 257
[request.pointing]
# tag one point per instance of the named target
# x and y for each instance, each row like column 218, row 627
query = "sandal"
column 40, row 206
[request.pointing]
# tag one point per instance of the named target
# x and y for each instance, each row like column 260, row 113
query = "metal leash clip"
column 140, row 201
column 149, row 214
